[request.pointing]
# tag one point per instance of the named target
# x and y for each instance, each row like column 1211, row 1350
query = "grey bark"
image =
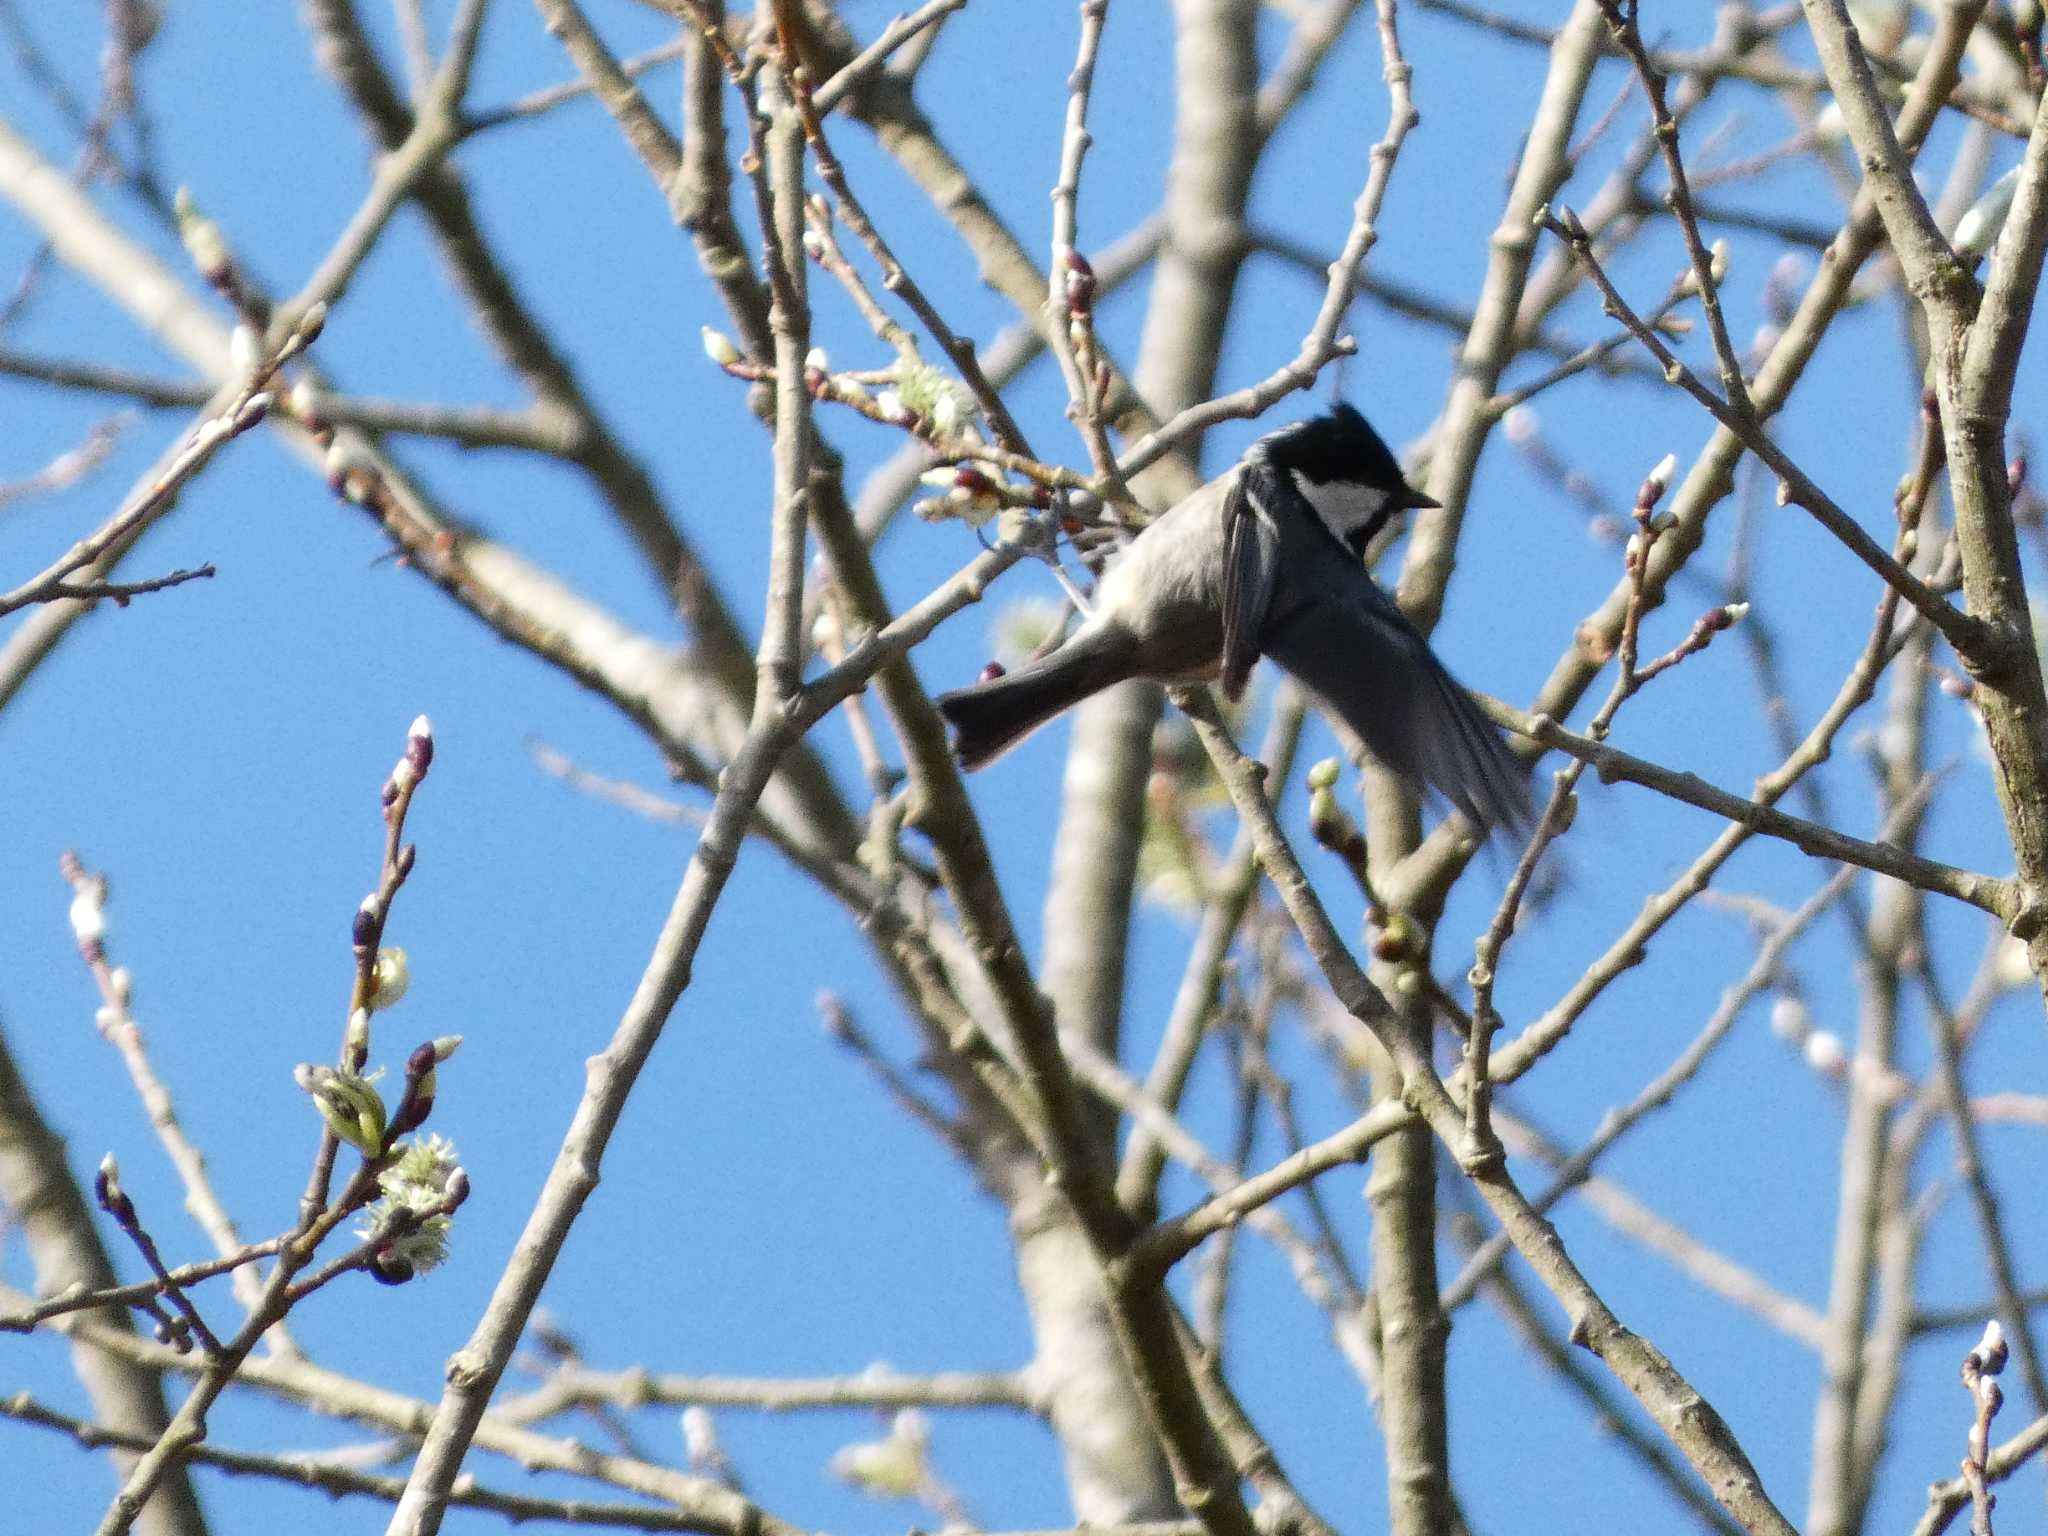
column 64, row 1246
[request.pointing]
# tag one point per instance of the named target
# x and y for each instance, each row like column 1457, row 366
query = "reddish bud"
column 1080, row 283
column 419, row 745
column 991, row 672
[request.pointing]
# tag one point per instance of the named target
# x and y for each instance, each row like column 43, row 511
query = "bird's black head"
column 1344, row 471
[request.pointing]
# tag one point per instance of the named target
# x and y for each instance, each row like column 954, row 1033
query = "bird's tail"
column 990, row 718
column 1467, row 762
column 1377, row 674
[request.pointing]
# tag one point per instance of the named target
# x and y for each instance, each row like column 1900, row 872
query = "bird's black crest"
column 1339, row 445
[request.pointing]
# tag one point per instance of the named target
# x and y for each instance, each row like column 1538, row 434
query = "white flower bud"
column 2011, row 965
column 245, row 348
column 306, row 398
column 1824, row 1052
column 391, row 979
column 889, row 1469
column 719, row 348
column 700, row 1437
column 1666, row 468
column 89, row 912
column 1521, row 425
column 1979, row 227
column 816, row 360
column 1990, row 1353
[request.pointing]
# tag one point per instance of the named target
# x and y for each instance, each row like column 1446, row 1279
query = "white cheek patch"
column 1344, row 505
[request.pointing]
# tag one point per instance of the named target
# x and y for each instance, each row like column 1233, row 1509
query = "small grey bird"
column 1268, row 561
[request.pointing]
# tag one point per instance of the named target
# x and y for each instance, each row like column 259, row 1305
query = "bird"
column 1268, row 560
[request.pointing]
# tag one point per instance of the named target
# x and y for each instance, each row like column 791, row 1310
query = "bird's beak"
column 1417, row 500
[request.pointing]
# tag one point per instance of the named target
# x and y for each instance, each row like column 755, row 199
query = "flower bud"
column 719, row 348
column 245, row 348
column 89, row 914
column 202, row 239
column 1659, row 481
column 305, row 400
column 1824, row 1052
column 356, row 1038
column 700, row 1436
column 349, row 1103
column 1978, row 229
column 1990, row 1354
column 1080, row 283
column 390, row 978
column 253, row 410
column 106, row 1188
column 1396, row 941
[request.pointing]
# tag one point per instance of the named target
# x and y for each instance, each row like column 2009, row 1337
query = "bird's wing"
column 1251, row 557
column 1357, row 652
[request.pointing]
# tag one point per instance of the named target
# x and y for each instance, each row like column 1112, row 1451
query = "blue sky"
column 217, row 750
